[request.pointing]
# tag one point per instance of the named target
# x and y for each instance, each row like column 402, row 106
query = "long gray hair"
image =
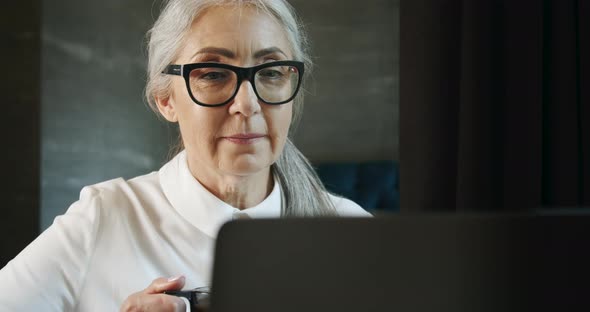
column 303, row 192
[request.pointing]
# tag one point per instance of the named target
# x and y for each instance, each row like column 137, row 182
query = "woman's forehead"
column 243, row 30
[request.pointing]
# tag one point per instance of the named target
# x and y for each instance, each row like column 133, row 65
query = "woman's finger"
column 140, row 302
column 160, row 285
column 152, row 299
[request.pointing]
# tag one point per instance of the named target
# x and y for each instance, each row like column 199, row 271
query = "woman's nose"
column 246, row 101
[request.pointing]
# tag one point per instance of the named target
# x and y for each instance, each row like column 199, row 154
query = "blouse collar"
column 203, row 209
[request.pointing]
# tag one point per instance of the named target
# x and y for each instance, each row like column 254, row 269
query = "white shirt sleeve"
column 49, row 273
column 347, row 208
column 186, row 304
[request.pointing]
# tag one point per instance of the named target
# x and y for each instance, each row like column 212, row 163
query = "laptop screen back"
column 402, row 263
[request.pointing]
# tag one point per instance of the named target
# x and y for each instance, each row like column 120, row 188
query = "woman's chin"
column 245, row 165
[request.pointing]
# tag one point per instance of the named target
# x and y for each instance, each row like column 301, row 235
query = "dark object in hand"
column 198, row 298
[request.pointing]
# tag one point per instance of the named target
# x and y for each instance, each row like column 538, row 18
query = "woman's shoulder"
column 347, row 208
column 120, row 186
column 120, row 192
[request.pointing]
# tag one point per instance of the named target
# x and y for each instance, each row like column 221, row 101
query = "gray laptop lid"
column 403, row 263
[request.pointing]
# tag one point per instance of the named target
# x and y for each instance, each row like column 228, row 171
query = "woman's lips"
column 245, row 138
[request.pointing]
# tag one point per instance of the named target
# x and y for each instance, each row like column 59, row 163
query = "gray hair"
column 303, row 192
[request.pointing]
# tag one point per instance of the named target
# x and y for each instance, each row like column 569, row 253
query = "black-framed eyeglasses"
column 216, row 84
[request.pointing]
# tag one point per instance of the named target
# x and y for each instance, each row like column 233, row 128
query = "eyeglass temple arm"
column 173, row 70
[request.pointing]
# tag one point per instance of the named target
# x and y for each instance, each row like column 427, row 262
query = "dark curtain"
column 494, row 105
column 20, row 24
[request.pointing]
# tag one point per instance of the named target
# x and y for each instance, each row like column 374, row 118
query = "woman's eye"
column 271, row 73
column 214, row 76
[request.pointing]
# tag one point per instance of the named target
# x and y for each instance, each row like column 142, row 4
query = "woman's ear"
column 167, row 108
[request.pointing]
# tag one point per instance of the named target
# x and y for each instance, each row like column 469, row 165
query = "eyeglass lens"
column 213, row 86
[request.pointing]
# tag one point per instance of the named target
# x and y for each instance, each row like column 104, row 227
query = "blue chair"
column 373, row 185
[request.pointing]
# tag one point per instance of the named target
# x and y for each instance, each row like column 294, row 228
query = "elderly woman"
column 230, row 74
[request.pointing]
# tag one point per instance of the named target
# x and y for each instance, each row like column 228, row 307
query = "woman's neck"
column 238, row 191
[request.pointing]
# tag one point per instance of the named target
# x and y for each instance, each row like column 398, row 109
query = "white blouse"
column 121, row 235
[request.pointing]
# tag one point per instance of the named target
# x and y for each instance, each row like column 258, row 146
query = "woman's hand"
column 153, row 299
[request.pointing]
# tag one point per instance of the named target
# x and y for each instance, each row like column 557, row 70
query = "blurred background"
column 417, row 106
column 81, row 118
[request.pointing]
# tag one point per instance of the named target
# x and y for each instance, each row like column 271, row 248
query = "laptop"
column 393, row 263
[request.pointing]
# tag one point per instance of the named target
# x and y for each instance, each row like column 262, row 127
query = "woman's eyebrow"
column 215, row 50
column 230, row 54
column 267, row 51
